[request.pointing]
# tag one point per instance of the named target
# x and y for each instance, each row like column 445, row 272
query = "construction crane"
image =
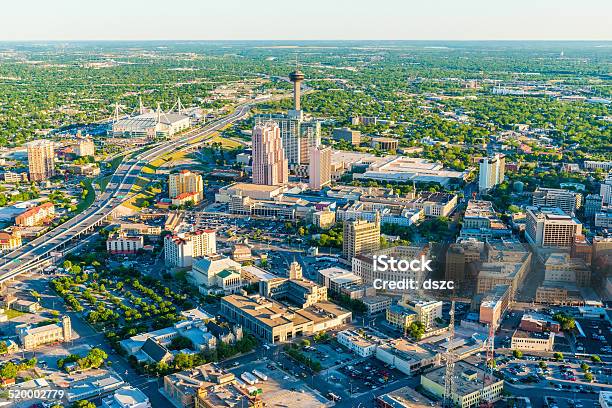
column 451, row 358
column 489, row 362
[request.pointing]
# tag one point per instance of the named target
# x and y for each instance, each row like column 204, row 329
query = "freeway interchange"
column 22, row 259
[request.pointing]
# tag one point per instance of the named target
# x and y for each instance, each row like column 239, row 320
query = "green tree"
column 416, row 330
column 3, row 347
column 9, row 370
column 595, row 358
column 558, row 356
column 517, row 353
column 83, row 404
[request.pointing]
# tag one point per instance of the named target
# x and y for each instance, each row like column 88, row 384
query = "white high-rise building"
column 270, row 167
column 491, row 172
column 181, row 249
column 605, row 191
column 319, row 169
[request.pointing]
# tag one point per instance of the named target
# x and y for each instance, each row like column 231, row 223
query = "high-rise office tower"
column 270, row 167
column 566, row 200
column 551, row 227
column 491, row 172
column 605, row 191
column 41, row 159
column 319, row 170
column 360, row 237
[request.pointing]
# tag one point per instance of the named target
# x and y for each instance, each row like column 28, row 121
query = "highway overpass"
column 27, row 257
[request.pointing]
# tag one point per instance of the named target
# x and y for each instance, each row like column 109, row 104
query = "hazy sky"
column 306, row 19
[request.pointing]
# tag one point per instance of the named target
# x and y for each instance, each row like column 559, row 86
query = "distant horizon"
column 317, row 20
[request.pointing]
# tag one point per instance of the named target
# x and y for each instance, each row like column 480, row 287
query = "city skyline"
column 67, row 20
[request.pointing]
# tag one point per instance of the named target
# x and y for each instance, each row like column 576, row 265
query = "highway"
column 119, row 186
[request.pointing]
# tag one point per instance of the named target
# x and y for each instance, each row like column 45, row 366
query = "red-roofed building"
column 36, row 215
column 185, row 198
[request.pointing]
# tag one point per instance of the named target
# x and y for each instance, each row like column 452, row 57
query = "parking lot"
column 281, row 389
column 557, row 402
column 329, row 354
column 597, row 337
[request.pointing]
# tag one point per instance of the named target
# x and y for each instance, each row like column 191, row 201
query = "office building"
column 559, row 267
column 13, row 177
column 274, row 322
column 270, row 167
column 363, row 265
column 360, row 237
column 384, row 143
column 532, row 341
column 84, row 146
column 32, row 337
column 375, row 304
column 491, row 172
column 41, row 160
column 319, row 169
column 551, row 227
column 603, row 220
column 123, row 243
column 357, row 343
column 568, row 201
column 559, row 293
column 605, row 191
column 186, row 184
column 324, row 219
column 536, row 322
column 427, row 311
column 335, row 279
column 300, row 292
column 506, row 263
column 468, row 390
column 459, row 257
column 595, row 165
column 407, row 357
column 405, row 397
column 481, row 222
column 180, row 249
column 348, row 135
column 493, row 305
column 592, row 205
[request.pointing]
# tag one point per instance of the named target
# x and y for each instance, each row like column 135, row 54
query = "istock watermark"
column 419, row 267
column 385, row 263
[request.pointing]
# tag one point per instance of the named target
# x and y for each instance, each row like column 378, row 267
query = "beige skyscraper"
column 270, row 167
column 185, row 182
column 319, row 170
column 360, row 237
column 492, row 170
column 41, row 159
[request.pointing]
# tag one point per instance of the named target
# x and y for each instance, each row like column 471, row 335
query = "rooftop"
column 467, row 382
